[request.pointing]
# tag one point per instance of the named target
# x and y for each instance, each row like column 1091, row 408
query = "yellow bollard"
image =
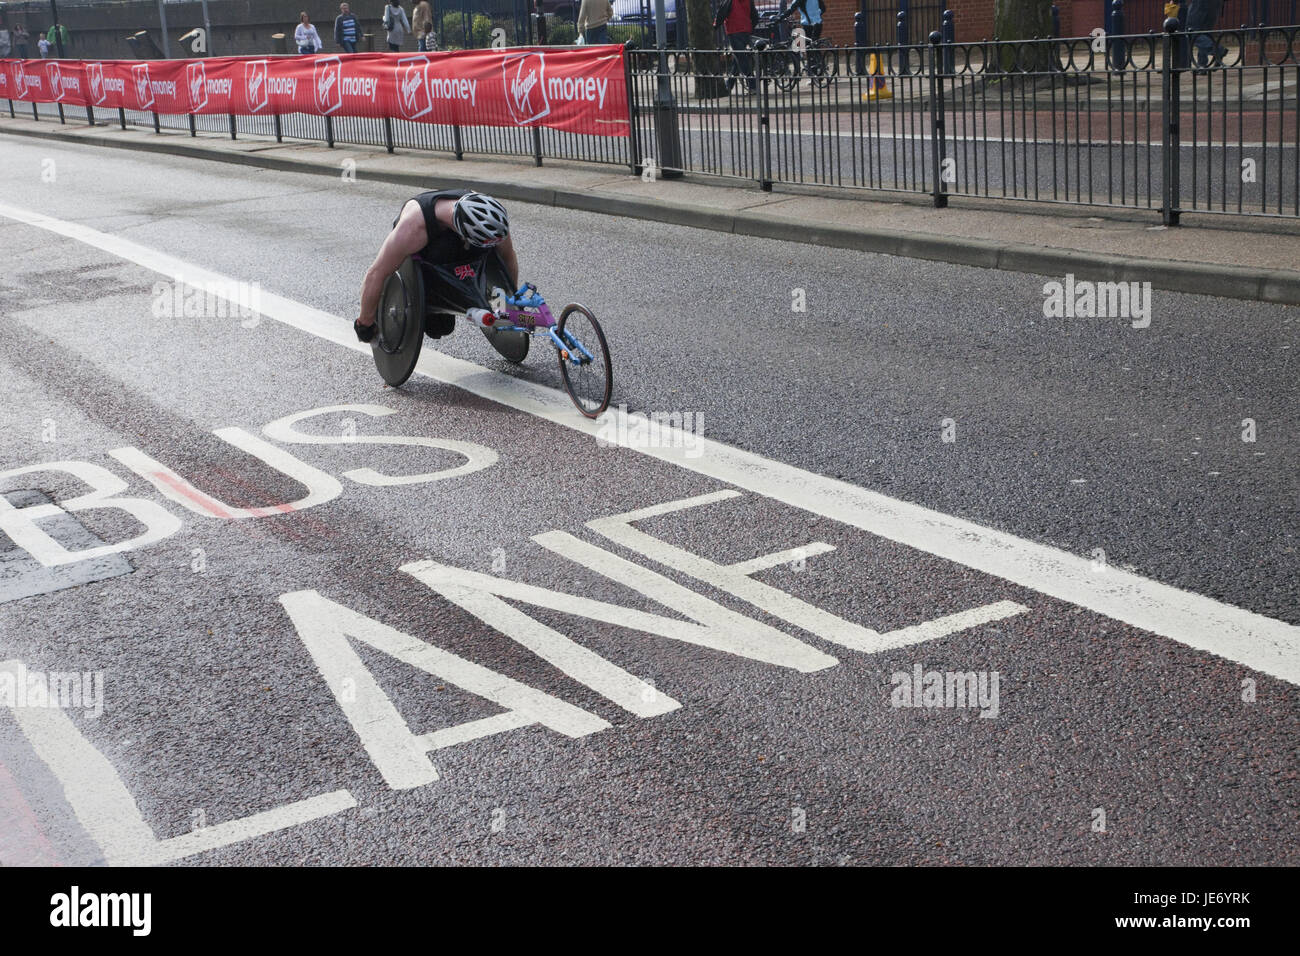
column 877, row 88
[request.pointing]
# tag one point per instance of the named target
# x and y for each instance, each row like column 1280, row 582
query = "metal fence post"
column 764, row 125
column 1171, row 139
column 456, row 143
column 1118, row 45
column 193, row 131
column 1183, row 60
column 121, row 116
column 537, row 145
column 901, row 37
column 860, row 39
column 36, row 113
column 62, row 118
column 329, row 131
column 1055, row 64
column 12, row 114
column 156, row 127
column 388, row 133
column 279, row 131
column 949, row 31
column 634, row 134
column 90, row 115
column 938, row 142
column 232, row 125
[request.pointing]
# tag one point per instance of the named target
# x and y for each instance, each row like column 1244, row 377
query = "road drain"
column 22, row 576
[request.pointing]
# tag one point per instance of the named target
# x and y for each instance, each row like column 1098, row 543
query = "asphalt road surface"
column 316, row 620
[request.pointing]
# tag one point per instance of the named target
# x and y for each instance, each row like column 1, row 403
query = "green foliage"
column 561, row 32
column 451, row 36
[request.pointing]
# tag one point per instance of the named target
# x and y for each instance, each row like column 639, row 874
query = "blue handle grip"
column 526, row 297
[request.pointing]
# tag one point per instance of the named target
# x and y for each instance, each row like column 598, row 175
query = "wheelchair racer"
column 446, row 227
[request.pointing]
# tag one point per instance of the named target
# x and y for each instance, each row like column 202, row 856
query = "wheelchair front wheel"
column 584, row 361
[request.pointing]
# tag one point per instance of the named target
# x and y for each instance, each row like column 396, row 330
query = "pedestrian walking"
column 59, row 34
column 396, row 26
column 422, row 26
column 593, row 20
column 539, row 12
column 305, row 35
column 347, row 29
column 737, row 19
column 1204, row 15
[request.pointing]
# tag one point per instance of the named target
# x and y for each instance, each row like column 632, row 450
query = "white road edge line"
column 1262, row 643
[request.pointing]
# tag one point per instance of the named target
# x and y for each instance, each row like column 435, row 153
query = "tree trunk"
column 1023, row 20
column 707, row 66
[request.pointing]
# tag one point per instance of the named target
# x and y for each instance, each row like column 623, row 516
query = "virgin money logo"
column 524, row 78
column 56, row 81
column 413, row 97
column 95, row 74
column 20, row 79
column 143, row 88
column 255, row 81
column 328, row 76
column 196, row 81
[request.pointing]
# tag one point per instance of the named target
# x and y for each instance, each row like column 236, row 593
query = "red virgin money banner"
column 579, row 90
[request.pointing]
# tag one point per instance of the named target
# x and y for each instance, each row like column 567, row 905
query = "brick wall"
column 973, row 18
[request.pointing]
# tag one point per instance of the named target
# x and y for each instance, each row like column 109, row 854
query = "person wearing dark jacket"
column 347, row 29
column 737, row 18
column 1204, row 15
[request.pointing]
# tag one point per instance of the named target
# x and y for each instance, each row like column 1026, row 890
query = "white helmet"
column 480, row 220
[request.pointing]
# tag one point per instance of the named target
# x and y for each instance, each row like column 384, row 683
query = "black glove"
column 365, row 332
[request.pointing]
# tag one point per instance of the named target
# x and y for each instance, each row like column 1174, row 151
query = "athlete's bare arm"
column 506, row 249
column 407, row 238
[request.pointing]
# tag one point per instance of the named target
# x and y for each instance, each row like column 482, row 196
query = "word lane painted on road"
column 401, row 755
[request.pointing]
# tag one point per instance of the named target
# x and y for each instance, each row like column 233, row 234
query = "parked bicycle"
column 787, row 55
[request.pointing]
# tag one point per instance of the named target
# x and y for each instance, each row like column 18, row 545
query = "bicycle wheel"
column 785, row 68
column 823, row 64
column 585, row 366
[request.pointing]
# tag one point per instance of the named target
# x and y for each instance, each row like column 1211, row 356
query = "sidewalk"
column 1234, row 257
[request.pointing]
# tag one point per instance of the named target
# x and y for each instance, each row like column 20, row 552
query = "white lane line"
column 474, row 729
column 259, row 824
column 110, row 815
column 948, row 624
column 766, row 562
column 1262, row 643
